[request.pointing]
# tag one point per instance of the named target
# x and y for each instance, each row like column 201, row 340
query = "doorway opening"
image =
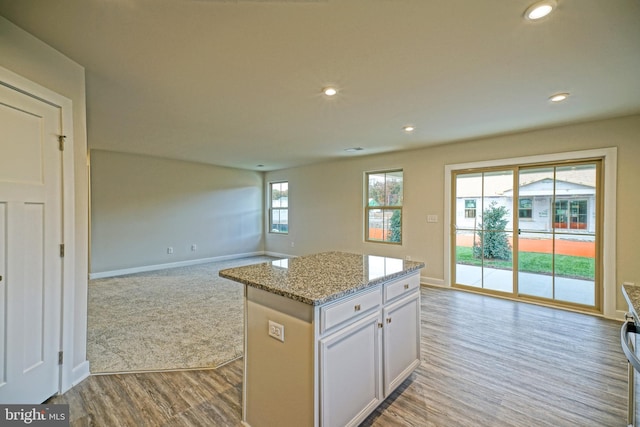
column 530, row 232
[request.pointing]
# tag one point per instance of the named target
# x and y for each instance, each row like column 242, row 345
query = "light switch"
column 432, row 218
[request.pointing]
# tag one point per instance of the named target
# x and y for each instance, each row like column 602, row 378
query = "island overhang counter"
column 328, row 336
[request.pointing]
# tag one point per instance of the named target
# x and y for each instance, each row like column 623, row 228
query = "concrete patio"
column 539, row 285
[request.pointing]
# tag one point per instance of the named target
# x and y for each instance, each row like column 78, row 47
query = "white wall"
column 32, row 59
column 326, row 200
column 142, row 205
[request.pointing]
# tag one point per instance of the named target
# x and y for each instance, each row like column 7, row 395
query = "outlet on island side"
column 276, row 330
column 169, row 250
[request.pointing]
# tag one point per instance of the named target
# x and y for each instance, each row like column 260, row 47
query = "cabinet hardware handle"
column 388, row 319
column 356, row 307
column 0, row 278
column 406, row 286
column 379, row 325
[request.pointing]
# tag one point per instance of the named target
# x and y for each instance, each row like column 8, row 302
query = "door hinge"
column 62, row 250
column 61, row 142
column 60, row 358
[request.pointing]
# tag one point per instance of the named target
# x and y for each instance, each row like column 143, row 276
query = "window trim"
column 395, row 208
column 271, row 209
column 529, row 209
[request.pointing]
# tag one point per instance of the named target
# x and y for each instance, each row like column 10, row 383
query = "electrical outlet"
column 276, row 330
column 194, row 247
column 169, row 250
column 432, row 218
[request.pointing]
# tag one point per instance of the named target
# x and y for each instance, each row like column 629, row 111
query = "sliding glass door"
column 529, row 232
column 484, row 230
column 557, row 241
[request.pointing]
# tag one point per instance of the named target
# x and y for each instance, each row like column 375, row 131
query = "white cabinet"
column 401, row 340
column 382, row 345
column 338, row 360
column 350, row 372
column 344, row 311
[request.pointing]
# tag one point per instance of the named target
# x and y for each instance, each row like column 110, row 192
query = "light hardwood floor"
column 485, row 362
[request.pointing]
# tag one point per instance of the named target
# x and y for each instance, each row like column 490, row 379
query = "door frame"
column 515, row 227
column 609, row 174
column 20, row 84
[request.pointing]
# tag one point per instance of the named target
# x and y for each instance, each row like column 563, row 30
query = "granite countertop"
column 632, row 295
column 319, row 278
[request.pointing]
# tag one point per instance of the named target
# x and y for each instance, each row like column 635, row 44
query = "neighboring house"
column 571, row 207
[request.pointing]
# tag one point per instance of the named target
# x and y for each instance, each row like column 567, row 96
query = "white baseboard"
column 145, row 268
column 279, row 255
column 619, row 315
column 79, row 373
column 432, row 281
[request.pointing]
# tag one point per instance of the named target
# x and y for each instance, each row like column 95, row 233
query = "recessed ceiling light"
column 329, row 90
column 353, row 149
column 558, row 97
column 409, row 128
column 540, row 9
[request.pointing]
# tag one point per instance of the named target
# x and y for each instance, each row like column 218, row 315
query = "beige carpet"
column 179, row 318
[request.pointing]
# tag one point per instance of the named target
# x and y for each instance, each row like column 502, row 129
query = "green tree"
column 395, row 226
column 278, row 194
column 493, row 242
column 385, row 193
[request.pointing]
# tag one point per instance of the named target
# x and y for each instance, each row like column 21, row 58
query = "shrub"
column 493, row 242
column 395, row 227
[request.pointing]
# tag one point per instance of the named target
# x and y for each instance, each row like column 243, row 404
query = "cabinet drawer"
column 401, row 286
column 341, row 311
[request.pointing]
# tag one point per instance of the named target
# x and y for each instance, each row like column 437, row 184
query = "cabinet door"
column 401, row 345
column 351, row 372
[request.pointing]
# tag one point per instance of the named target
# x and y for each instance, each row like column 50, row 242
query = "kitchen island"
column 328, row 336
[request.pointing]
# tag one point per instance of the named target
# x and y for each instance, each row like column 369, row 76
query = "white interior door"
column 30, row 235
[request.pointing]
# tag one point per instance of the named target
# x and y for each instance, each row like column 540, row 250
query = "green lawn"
column 533, row 262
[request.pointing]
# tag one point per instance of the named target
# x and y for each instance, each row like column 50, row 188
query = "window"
column 470, row 208
column 571, row 214
column 383, row 210
column 525, row 209
column 279, row 207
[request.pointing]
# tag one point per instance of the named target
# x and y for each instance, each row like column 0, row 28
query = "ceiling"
column 238, row 82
